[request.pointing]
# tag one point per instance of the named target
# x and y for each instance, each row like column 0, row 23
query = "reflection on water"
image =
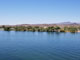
column 39, row 46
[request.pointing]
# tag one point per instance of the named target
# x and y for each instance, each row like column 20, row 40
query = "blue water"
column 39, row 46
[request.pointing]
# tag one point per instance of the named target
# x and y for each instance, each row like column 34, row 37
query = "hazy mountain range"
column 62, row 24
column 69, row 23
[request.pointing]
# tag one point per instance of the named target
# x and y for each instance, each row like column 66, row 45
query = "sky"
column 39, row 11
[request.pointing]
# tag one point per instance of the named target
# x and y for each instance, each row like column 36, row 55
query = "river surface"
column 39, row 46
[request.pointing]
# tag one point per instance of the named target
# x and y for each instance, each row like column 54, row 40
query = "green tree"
column 57, row 28
column 7, row 28
column 20, row 28
column 50, row 29
column 73, row 29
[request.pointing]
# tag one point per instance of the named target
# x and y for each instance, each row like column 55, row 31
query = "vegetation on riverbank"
column 42, row 29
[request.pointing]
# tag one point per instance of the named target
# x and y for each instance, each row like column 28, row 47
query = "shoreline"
column 40, row 31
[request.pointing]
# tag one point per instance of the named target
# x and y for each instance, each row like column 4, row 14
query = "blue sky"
column 39, row 11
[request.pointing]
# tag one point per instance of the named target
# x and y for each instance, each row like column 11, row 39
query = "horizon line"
column 41, row 23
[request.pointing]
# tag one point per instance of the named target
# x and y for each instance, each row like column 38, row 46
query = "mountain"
column 69, row 23
column 48, row 25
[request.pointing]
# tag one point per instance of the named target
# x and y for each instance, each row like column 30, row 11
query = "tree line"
column 42, row 29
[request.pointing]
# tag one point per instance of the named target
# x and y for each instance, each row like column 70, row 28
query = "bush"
column 62, row 30
column 73, row 29
column 7, row 28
